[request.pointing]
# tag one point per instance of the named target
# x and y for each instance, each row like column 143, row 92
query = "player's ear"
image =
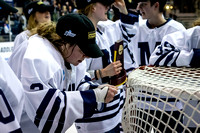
column 93, row 7
column 157, row 5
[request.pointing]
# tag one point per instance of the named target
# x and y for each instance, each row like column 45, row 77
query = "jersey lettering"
column 39, row 86
column 6, row 113
column 144, row 52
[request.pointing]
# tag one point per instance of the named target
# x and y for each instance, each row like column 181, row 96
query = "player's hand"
column 112, row 69
column 105, row 94
column 120, row 4
column 112, row 91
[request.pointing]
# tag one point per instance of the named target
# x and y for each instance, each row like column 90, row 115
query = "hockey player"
column 46, row 74
column 181, row 48
column 100, row 69
column 11, row 91
column 36, row 12
column 152, row 28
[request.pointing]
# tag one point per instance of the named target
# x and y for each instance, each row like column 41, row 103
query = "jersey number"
column 36, row 85
column 6, row 113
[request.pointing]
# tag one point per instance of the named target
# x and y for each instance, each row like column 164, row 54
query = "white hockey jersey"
column 20, row 45
column 108, row 32
column 11, row 99
column 45, row 79
column 146, row 39
column 181, row 48
column 15, row 60
column 23, row 36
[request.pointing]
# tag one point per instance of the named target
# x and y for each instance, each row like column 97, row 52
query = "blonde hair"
column 196, row 22
column 86, row 10
column 48, row 30
column 32, row 22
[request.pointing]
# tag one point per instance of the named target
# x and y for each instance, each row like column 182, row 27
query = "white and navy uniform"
column 181, row 48
column 108, row 32
column 146, row 39
column 144, row 43
column 11, row 100
column 45, row 79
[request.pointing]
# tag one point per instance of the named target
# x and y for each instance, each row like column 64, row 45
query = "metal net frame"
column 159, row 99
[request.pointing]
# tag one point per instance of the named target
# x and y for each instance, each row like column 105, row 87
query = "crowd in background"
column 18, row 20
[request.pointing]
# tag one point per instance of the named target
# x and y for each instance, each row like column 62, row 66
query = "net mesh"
column 162, row 99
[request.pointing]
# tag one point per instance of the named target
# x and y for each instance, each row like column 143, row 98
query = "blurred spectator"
column 6, row 27
column 22, row 20
column 64, row 10
column 56, row 11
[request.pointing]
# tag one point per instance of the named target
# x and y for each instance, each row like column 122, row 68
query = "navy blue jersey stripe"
column 87, row 80
column 97, row 119
column 160, row 58
column 174, row 63
column 128, row 36
column 52, row 115
column 130, row 53
column 125, row 36
column 131, row 18
column 111, row 107
column 62, row 117
column 168, row 59
column 43, row 106
column 89, row 102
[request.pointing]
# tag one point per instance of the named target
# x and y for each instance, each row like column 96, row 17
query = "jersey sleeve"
column 129, row 25
column 49, row 105
column 55, row 110
column 11, row 99
column 178, row 49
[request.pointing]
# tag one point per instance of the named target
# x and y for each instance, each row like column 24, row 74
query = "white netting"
column 162, row 99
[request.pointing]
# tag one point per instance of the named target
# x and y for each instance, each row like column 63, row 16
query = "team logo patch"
column 120, row 50
column 69, row 33
column 91, row 34
column 30, row 10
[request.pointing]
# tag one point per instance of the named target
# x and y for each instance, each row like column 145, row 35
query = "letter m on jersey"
column 144, row 52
